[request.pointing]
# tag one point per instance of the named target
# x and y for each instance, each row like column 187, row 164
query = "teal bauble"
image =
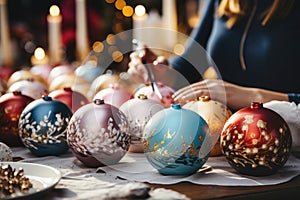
column 177, row 141
column 42, row 126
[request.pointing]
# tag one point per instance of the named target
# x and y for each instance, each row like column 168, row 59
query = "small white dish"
column 42, row 177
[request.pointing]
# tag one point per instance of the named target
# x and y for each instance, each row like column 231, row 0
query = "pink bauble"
column 42, row 70
column 114, row 95
column 34, row 89
column 165, row 91
column 98, row 135
column 11, row 106
column 71, row 98
column 215, row 114
column 138, row 112
column 256, row 141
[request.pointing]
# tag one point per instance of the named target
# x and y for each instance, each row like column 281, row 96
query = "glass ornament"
column 114, row 95
column 98, row 134
column 215, row 114
column 11, row 106
column 165, row 91
column 177, row 141
column 42, row 126
column 71, row 98
column 138, row 112
column 29, row 87
column 256, row 141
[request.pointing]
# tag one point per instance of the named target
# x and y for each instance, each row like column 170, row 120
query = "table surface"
column 67, row 163
column 289, row 190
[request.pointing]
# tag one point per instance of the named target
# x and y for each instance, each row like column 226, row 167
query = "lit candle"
column 139, row 20
column 5, row 48
column 170, row 22
column 82, row 44
column 154, row 28
column 39, row 57
column 54, row 20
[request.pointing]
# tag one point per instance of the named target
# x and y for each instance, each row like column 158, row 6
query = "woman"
column 255, row 46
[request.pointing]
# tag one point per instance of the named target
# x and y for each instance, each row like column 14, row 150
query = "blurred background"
column 28, row 27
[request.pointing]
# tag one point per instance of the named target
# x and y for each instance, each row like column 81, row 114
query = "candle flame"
column 140, row 10
column 39, row 53
column 54, row 10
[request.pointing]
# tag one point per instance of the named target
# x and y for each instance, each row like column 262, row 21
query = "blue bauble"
column 42, row 126
column 177, row 141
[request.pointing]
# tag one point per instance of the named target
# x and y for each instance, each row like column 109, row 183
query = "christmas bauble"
column 101, row 82
column 88, row 71
column 60, row 70
column 25, row 74
column 114, row 95
column 98, row 134
column 70, row 80
column 30, row 87
column 177, row 141
column 165, row 91
column 256, row 141
column 11, row 107
column 5, row 72
column 3, row 87
column 138, row 112
column 215, row 114
column 71, row 98
column 41, row 70
column 42, row 126
column 106, row 80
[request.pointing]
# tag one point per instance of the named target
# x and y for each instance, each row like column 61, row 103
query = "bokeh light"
column 127, row 11
column 140, row 10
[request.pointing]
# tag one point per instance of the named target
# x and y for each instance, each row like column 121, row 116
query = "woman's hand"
column 138, row 60
column 234, row 96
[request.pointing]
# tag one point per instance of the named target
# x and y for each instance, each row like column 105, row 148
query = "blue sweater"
column 271, row 52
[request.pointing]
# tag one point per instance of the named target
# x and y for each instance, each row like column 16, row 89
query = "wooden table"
column 285, row 191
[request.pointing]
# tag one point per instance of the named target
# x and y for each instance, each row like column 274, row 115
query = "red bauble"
column 11, row 106
column 256, row 141
column 5, row 72
column 71, row 98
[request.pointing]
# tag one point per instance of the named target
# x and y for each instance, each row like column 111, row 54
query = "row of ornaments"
column 255, row 140
column 215, row 116
column 26, row 85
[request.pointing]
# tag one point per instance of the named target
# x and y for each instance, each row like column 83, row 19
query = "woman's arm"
column 194, row 61
column 234, row 96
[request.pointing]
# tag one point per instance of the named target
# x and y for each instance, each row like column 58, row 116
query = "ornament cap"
column 98, row 101
column 142, row 96
column 17, row 92
column 204, row 98
column 68, row 89
column 47, row 98
column 176, row 106
column 256, row 105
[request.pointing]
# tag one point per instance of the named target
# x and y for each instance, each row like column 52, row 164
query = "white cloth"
column 290, row 112
column 216, row 171
column 81, row 182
